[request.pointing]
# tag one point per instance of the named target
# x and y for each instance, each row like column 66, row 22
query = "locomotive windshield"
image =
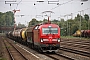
column 50, row 30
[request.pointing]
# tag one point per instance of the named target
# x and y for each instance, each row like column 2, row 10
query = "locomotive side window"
column 50, row 31
column 36, row 27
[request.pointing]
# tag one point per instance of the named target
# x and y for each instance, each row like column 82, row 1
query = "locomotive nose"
column 50, row 39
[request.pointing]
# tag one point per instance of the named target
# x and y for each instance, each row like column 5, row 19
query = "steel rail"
column 67, row 57
column 51, row 57
column 75, row 51
column 8, row 51
column 18, row 51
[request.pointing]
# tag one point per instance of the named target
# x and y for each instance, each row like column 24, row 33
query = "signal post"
column 14, row 18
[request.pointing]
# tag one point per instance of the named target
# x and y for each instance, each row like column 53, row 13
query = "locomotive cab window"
column 50, row 30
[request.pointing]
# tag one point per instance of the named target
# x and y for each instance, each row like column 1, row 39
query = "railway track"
column 14, row 53
column 54, row 56
column 58, row 56
column 82, row 46
column 51, row 57
column 75, row 51
column 61, row 56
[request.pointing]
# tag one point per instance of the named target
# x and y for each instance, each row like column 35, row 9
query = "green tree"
column 6, row 19
column 45, row 20
column 33, row 22
column 86, row 17
column 21, row 25
column 55, row 21
column 77, row 18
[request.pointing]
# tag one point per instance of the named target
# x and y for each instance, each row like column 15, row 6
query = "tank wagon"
column 82, row 33
column 77, row 33
column 43, row 37
column 86, row 33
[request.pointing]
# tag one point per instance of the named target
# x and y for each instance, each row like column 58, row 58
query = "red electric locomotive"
column 44, row 37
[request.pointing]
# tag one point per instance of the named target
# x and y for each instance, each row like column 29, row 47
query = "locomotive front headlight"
column 59, row 40
column 41, row 40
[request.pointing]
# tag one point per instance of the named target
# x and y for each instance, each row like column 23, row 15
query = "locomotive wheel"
column 40, row 50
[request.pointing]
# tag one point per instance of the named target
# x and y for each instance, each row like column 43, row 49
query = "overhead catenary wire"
column 18, row 3
column 75, row 12
column 62, row 4
column 66, row 3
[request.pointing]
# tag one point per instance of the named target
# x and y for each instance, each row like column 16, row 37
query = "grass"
column 8, row 46
column 2, row 34
column 2, row 58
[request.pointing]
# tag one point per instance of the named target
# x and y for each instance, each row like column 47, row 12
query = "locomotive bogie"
column 50, row 47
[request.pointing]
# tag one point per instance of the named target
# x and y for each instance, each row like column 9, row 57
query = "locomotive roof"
column 46, row 25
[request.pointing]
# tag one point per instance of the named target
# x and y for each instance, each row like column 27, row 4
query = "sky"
column 32, row 9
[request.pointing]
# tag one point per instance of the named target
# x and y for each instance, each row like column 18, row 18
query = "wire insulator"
column 10, row 4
